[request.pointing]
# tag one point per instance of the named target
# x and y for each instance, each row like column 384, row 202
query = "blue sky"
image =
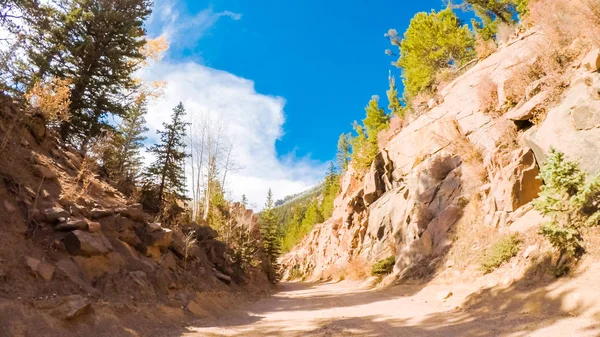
column 290, row 76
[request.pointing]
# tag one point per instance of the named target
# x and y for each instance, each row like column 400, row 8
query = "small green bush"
column 500, row 252
column 569, row 201
column 383, row 267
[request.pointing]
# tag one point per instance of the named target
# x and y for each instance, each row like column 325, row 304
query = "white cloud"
column 170, row 19
column 254, row 122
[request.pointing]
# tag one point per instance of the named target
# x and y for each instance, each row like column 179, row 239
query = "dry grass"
column 505, row 32
column 504, row 146
column 570, row 27
column 440, row 166
column 516, row 86
column 473, row 171
column 396, row 125
column 485, row 48
column 471, row 236
column 357, row 269
column 487, row 93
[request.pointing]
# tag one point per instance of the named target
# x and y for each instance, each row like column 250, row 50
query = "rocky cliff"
column 451, row 156
column 77, row 258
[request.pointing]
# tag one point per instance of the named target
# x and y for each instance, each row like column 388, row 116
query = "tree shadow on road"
column 531, row 303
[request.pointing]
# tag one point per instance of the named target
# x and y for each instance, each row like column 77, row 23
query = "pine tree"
column 123, row 159
column 376, row 119
column 365, row 145
column 343, row 151
column 395, row 106
column 270, row 238
column 494, row 12
column 96, row 44
column 244, row 200
column 166, row 175
column 433, row 42
column 330, row 191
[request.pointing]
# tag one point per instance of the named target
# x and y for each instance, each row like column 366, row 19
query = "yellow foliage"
column 155, row 48
column 51, row 99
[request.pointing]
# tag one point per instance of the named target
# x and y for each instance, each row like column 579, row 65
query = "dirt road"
column 343, row 309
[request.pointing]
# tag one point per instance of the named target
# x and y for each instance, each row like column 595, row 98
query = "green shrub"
column 383, row 267
column 569, row 201
column 500, row 252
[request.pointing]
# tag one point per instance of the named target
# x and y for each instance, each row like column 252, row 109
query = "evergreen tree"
column 365, row 145
column 432, row 42
column 244, row 200
column 166, row 175
column 494, row 12
column 270, row 238
column 96, row 44
column 376, row 119
column 343, row 151
column 330, row 191
column 312, row 216
column 395, row 106
column 123, row 159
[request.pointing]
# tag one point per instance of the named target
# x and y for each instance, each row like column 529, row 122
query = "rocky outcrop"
column 573, row 126
column 408, row 204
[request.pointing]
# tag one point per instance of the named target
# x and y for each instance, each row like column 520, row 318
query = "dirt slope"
column 344, row 309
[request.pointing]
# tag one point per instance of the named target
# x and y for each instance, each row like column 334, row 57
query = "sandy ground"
column 344, row 309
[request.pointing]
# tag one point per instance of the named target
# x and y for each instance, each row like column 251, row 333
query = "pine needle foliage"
column 97, row 46
column 166, row 174
column 343, row 151
column 570, row 200
column 269, row 231
column 365, row 144
column 433, row 42
column 122, row 159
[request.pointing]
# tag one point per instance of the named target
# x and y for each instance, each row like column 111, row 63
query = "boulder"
column 530, row 250
column 99, row 213
column 222, row 277
column 131, row 238
column 93, row 227
column 72, row 307
column 71, row 225
column 136, row 206
column 167, row 261
column 527, row 111
column 153, row 253
column 55, row 214
column 591, row 61
column 83, row 243
column 133, row 213
column 44, row 172
column 161, row 239
column 97, row 266
column 373, row 186
column 201, row 232
column 40, row 268
column 154, row 227
column 572, row 127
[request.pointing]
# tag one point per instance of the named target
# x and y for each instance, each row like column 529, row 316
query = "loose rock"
column 83, row 243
